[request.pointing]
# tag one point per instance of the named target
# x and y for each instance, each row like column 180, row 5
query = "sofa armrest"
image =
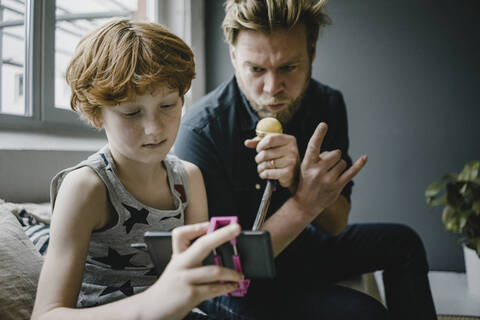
column 20, row 265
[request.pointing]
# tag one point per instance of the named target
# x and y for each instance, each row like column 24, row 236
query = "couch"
column 20, row 265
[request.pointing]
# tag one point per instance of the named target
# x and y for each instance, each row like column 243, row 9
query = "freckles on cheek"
column 132, row 130
column 128, row 133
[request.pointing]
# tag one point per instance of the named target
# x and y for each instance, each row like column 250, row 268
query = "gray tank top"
column 114, row 270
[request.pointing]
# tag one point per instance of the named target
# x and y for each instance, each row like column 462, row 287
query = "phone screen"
column 254, row 248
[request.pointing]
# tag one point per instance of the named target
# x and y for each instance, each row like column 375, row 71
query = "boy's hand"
column 186, row 282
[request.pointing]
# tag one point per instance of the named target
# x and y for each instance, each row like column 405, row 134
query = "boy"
column 129, row 78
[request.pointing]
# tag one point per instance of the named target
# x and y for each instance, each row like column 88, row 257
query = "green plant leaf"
column 450, row 219
column 434, row 189
column 476, row 207
column 462, row 222
column 460, row 196
column 454, row 197
column 470, row 171
column 464, row 189
column 439, row 201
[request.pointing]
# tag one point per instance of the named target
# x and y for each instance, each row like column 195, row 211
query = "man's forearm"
column 290, row 220
column 286, row 224
column 334, row 219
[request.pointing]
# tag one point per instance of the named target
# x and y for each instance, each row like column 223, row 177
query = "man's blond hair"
column 123, row 58
column 268, row 15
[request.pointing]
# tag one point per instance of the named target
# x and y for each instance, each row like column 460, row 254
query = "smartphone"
column 254, row 248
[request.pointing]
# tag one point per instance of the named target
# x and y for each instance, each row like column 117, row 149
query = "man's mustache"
column 267, row 102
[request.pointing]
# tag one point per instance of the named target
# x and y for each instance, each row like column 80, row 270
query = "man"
column 272, row 47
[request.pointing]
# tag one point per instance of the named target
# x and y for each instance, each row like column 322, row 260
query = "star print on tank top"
column 113, row 269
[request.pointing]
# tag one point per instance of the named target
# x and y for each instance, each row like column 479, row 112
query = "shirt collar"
column 249, row 118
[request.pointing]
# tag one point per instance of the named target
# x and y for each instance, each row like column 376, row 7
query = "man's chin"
column 275, row 108
column 283, row 115
column 266, row 113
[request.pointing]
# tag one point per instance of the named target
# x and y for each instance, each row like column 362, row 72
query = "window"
column 12, row 53
column 37, row 41
column 73, row 22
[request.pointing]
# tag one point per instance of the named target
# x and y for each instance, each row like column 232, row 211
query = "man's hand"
column 322, row 176
column 277, row 158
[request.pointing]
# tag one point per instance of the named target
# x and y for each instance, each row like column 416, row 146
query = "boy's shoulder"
column 190, row 167
column 82, row 198
column 179, row 166
column 86, row 181
column 81, row 179
column 84, row 177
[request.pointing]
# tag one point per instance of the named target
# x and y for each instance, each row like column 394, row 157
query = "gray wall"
column 410, row 74
column 26, row 174
column 29, row 159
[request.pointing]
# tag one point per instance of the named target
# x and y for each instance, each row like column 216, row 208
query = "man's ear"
column 231, row 49
column 312, row 52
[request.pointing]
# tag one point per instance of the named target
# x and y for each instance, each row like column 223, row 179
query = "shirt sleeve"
column 194, row 145
column 338, row 130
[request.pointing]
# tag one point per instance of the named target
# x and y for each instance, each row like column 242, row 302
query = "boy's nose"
column 153, row 126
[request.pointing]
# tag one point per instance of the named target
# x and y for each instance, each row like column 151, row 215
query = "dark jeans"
column 308, row 269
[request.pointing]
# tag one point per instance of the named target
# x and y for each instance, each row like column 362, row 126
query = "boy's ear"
column 97, row 122
column 96, row 119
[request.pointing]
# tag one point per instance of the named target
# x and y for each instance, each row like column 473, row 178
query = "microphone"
column 264, row 127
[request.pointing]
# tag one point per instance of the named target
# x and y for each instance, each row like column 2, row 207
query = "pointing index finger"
column 315, row 143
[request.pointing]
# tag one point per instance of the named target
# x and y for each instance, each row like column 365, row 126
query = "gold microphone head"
column 266, row 126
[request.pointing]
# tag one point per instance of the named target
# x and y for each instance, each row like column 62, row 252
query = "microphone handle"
column 264, row 204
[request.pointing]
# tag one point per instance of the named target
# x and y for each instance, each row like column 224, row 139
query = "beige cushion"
column 41, row 211
column 20, row 266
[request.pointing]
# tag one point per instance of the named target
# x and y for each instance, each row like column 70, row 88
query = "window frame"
column 39, row 70
column 185, row 18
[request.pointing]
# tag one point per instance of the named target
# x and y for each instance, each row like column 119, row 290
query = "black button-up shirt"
column 212, row 133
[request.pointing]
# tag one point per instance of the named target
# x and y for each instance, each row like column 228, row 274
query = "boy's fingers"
column 315, row 143
column 200, row 249
column 211, row 290
column 212, row 273
column 183, row 236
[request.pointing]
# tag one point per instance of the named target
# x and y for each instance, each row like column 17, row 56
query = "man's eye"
column 289, row 68
column 256, row 69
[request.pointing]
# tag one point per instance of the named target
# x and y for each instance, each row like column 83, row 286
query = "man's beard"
column 284, row 115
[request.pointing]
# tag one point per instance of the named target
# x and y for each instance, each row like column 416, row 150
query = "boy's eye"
column 166, row 106
column 131, row 114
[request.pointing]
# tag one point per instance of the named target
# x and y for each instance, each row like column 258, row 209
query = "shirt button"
column 257, row 186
